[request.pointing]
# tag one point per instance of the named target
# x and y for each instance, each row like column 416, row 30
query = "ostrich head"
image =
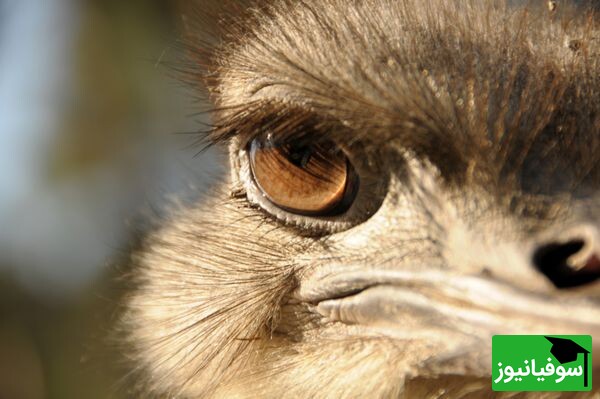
column 408, row 178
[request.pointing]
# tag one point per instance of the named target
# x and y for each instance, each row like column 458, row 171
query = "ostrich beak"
column 450, row 310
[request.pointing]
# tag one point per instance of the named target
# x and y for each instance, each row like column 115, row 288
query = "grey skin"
column 474, row 128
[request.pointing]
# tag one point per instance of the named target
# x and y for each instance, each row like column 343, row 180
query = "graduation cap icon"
column 567, row 350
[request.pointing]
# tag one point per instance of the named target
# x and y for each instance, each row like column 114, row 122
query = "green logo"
column 541, row 363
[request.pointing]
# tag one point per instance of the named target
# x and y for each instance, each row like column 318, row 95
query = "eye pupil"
column 302, row 178
column 300, row 156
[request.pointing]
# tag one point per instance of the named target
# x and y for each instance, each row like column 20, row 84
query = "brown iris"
column 305, row 179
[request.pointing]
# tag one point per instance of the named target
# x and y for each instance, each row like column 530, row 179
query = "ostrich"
column 408, row 178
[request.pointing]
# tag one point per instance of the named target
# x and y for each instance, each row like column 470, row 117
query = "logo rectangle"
column 541, row 363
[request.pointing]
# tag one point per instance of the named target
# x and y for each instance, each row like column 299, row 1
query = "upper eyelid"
column 282, row 121
column 253, row 119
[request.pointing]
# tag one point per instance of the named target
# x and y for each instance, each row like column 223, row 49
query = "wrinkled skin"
column 475, row 131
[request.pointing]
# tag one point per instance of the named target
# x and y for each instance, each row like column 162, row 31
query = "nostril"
column 555, row 260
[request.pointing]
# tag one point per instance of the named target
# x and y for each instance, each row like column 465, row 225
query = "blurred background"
column 89, row 118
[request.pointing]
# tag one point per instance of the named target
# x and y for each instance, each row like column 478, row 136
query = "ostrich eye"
column 305, row 179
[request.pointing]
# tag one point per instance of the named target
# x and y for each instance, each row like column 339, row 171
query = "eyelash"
column 240, row 126
column 261, row 118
